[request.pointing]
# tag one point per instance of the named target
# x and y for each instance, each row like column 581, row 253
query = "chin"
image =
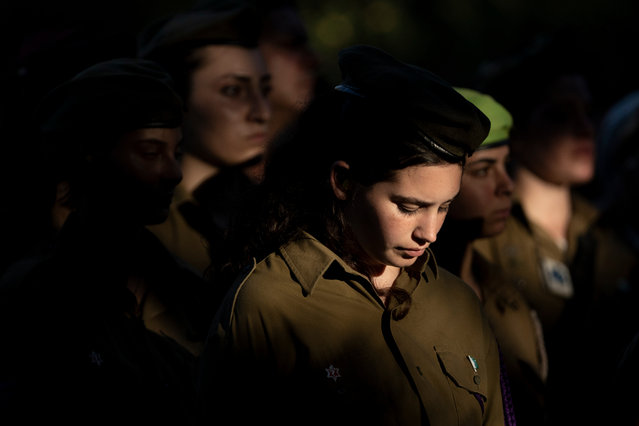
column 494, row 230
column 404, row 262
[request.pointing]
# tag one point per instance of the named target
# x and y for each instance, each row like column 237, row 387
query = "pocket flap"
column 465, row 370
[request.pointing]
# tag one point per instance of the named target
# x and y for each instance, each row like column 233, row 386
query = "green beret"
column 442, row 117
column 118, row 95
column 500, row 119
column 213, row 22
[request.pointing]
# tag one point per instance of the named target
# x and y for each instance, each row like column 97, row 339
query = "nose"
column 260, row 108
column 427, row 228
column 583, row 126
column 172, row 171
column 505, row 184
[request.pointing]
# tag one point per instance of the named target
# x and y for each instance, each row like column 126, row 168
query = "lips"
column 503, row 213
column 258, row 138
column 414, row 252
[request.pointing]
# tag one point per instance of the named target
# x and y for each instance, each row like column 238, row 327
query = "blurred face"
column 228, row 112
column 559, row 145
column 486, row 191
column 146, row 171
column 395, row 221
column 289, row 58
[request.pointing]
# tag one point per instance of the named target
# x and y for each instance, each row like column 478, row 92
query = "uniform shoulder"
column 267, row 284
column 454, row 284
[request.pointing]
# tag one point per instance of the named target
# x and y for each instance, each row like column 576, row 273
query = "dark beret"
column 112, row 96
column 442, row 117
column 214, row 22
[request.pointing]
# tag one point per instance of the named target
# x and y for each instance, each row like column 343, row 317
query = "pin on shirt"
column 557, row 277
column 332, row 373
column 475, row 365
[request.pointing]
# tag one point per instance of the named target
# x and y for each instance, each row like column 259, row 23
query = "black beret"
column 442, row 117
column 214, row 22
column 113, row 96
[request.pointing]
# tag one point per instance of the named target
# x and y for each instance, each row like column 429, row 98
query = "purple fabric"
column 509, row 410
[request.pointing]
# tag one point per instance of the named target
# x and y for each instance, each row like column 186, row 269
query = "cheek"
column 206, row 112
column 471, row 201
column 140, row 171
column 368, row 222
column 560, row 164
column 211, row 126
column 385, row 229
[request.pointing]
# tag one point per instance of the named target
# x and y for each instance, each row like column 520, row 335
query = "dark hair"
column 295, row 195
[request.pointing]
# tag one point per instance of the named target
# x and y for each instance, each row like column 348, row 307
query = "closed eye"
column 408, row 209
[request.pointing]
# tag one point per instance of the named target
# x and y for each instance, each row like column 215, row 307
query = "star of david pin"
column 96, row 358
column 332, row 373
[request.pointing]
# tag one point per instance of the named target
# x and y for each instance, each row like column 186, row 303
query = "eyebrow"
column 247, row 79
column 418, row 202
column 485, row 160
column 156, row 141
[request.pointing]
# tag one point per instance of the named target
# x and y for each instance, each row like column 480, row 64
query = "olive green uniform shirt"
column 303, row 338
column 579, row 293
column 548, row 274
column 521, row 340
column 181, row 238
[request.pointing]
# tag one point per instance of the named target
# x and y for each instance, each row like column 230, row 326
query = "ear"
column 339, row 180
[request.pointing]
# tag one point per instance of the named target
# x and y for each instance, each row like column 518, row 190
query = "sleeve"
column 242, row 368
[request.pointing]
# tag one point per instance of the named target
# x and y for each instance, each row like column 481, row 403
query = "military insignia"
column 475, row 365
column 557, row 277
column 96, row 358
column 332, row 373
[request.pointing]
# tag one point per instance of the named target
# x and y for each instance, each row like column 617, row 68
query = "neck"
column 383, row 280
column 195, row 171
column 547, row 205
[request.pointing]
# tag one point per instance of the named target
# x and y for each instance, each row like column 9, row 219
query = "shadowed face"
column 145, row 171
column 228, row 112
column 290, row 59
column 486, row 191
column 558, row 143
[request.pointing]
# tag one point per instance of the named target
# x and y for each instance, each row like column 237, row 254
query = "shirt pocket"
column 467, row 375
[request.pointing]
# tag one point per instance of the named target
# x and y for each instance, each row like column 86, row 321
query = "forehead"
column 488, row 154
column 427, row 182
column 169, row 136
column 228, row 59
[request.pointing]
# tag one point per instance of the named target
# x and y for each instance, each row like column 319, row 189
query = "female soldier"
column 481, row 210
column 570, row 269
column 341, row 315
column 212, row 53
column 105, row 327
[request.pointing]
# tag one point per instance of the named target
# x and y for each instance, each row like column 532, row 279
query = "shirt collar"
column 309, row 259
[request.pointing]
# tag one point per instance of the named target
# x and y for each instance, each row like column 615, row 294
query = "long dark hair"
column 296, row 196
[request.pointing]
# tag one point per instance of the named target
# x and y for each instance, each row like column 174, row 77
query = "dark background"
column 45, row 42
column 455, row 37
column 450, row 37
